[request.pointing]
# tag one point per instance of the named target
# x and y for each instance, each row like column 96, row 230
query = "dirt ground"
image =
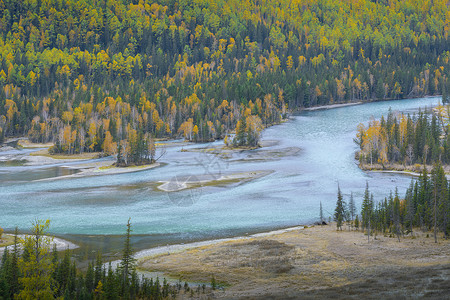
column 316, row 263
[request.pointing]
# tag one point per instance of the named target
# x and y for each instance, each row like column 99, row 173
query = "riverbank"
column 6, row 240
column 330, row 106
column 60, row 244
column 314, row 262
column 413, row 170
column 100, row 168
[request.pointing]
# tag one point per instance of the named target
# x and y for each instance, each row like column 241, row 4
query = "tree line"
column 426, row 206
column 405, row 139
column 84, row 74
column 31, row 270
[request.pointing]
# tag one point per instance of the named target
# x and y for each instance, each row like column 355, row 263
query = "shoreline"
column 61, row 244
column 338, row 105
column 400, row 169
column 99, row 169
column 332, row 106
column 175, row 248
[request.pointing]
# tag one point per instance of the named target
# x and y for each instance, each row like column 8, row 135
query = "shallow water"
column 92, row 210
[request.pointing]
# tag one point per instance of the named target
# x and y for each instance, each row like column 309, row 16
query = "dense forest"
column 95, row 75
column 31, row 270
column 426, row 206
column 405, row 139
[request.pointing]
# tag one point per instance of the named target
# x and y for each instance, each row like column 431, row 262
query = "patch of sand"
column 316, row 262
column 178, row 184
column 102, row 168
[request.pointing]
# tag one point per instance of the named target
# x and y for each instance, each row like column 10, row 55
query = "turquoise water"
column 85, row 207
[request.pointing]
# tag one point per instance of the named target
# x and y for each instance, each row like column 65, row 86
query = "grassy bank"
column 6, row 240
column 401, row 168
column 315, row 262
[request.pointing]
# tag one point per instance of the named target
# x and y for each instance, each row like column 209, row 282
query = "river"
column 304, row 160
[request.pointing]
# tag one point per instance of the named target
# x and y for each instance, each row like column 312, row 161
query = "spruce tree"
column 356, row 222
column 366, row 208
column 351, row 206
column 321, row 213
column 127, row 264
column 339, row 212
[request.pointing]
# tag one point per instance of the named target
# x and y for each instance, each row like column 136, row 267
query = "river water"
column 304, row 158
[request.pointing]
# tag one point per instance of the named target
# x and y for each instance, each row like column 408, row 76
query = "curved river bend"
column 92, row 210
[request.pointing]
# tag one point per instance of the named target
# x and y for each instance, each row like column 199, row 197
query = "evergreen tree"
column 366, row 209
column 339, row 212
column 321, row 213
column 127, row 264
column 352, row 207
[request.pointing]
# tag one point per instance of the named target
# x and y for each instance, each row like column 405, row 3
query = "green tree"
column 339, row 212
column 321, row 213
column 128, row 262
column 36, row 264
column 356, row 222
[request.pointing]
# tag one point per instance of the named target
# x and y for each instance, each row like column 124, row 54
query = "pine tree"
column 351, row 206
column 339, row 212
column 98, row 271
column 240, row 138
column 321, row 213
column 366, row 208
column 127, row 264
column 410, row 209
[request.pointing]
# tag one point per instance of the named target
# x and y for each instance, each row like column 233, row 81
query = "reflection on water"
column 290, row 195
column 12, row 163
column 30, row 174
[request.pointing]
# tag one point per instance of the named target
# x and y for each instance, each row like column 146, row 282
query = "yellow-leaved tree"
column 36, row 264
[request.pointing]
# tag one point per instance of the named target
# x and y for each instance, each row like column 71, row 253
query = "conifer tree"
column 321, row 213
column 36, row 265
column 339, row 213
column 127, row 264
column 366, row 208
column 351, row 207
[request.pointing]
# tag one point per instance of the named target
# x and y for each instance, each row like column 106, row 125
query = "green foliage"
column 339, row 212
column 35, row 264
column 426, row 205
column 38, row 273
column 406, row 140
column 213, row 283
column 79, row 73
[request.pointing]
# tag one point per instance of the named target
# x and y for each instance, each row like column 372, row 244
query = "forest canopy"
column 96, row 75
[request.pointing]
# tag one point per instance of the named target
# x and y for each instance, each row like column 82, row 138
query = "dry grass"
column 415, row 169
column 85, row 155
column 6, row 240
column 315, row 262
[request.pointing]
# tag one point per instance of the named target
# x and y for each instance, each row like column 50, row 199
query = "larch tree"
column 36, row 264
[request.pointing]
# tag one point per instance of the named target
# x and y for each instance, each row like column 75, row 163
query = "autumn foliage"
column 419, row 139
column 85, row 74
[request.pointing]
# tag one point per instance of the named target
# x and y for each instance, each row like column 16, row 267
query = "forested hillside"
column 96, row 75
